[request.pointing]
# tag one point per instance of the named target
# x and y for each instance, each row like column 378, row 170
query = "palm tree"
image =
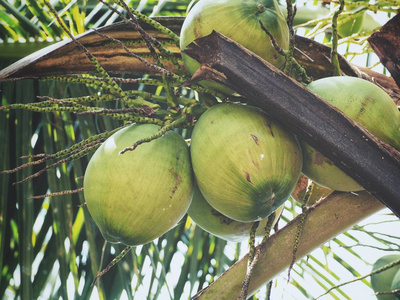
column 50, row 246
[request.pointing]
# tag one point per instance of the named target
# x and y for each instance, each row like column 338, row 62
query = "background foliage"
column 50, row 247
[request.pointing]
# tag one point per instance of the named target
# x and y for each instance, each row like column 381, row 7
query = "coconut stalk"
column 369, row 161
column 325, row 220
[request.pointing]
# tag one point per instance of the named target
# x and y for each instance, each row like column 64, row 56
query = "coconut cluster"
column 242, row 165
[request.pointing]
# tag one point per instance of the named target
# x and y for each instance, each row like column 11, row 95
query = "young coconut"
column 245, row 164
column 366, row 104
column 137, row 196
column 240, row 21
column 382, row 282
column 396, row 285
column 212, row 221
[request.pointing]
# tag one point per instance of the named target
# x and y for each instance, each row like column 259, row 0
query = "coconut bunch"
column 242, row 165
column 136, row 196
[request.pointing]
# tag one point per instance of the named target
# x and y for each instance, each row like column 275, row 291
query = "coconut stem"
column 300, row 227
column 151, row 22
column 62, row 193
column 291, row 12
column 261, row 8
column 255, row 254
column 291, row 63
column 91, row 141
column 380, row 270
column 268, row 228
column 112, row 263
column 252, row 259
column 334, row 53
column 178, row 122
column 159, row 68
column 149, row 40
column 82, row 152
column 388, row 292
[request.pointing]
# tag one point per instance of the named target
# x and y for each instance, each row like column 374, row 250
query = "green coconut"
column 382, row 282
column 363, row 102
column 238, row 20
column 396, row 285
column 137, row 196
column 245, row 164
column 212, row 221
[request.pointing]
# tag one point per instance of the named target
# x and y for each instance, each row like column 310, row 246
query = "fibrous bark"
column 386, row 44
